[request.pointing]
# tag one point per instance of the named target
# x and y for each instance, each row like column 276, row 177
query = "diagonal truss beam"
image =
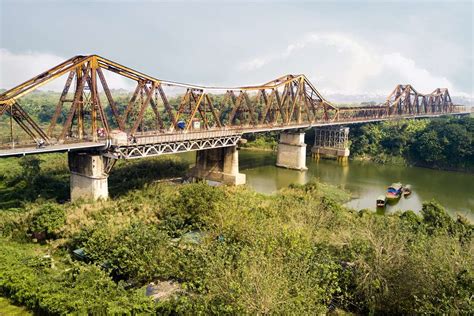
column 285, row 101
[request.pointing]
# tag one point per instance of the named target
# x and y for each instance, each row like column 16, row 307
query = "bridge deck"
column 285, row 103
column 22, row 151
column 177, row 137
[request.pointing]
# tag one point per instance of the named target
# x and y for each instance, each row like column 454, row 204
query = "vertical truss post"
column 75, row 107
column 82, row 76
column 59, row 106
column 193, row 113
column 95, row 97
column 11, row 131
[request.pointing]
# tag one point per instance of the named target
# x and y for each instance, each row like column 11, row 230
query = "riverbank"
column 366, row 181
column 439, row 144
column 224, row 249
column 401, row 161
column 233, row 250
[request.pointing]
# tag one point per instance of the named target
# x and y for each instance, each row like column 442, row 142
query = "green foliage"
column 298, row 251
column 30, row 166
column 435, row 217
column 429, row 147
column 130, row 175
column 137, row 252
column 446, row 143
column 28, row 179
column 262, row 141
column 49, row 218
column 60, row 287
column 189, row 209
column 404, row 269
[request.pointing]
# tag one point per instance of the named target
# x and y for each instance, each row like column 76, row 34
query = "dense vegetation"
column 23, row 180
column 261, row 141
column 443, row 143
column 229, row 250
column 446, row 143
column 232, row 250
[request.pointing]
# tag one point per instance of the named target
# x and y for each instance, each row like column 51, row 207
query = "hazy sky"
column 342, row 46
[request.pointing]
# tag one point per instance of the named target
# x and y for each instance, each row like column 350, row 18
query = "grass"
column 298, row 251
column 8, row 309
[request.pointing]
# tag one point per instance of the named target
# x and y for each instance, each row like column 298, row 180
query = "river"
column 365, row 180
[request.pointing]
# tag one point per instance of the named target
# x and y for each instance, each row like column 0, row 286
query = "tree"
column 30, row 166
column 428, row 148
column 48, row 219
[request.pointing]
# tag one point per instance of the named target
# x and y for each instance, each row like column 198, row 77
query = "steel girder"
column 150, row 150
column 290, row 100
column 404, row 99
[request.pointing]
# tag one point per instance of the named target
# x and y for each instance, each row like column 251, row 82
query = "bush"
column 137, row 252
column 31, row 280
column 436, row 218
column 48, row 219
column 298, row 251
column 190, row 208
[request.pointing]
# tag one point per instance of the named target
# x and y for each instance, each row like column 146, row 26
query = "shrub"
column 30, row 279
column 190, row 208
column 436, row 218
column 142, row 253
column 48, row 219
column 138, row 252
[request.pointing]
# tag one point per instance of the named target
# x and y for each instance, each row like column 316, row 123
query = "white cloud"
column 347, row 66
column 409, row 72
column 18, row 68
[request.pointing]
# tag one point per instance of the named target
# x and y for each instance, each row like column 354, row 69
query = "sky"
column 346, row 47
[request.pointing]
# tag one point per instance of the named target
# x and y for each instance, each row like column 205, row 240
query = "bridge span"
column 164, row 117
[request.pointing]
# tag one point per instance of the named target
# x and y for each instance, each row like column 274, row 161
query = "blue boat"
column 394, row 192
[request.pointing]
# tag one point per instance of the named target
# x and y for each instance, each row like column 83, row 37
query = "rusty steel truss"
column 287, row 102
column 155, row 145
column 332, row 137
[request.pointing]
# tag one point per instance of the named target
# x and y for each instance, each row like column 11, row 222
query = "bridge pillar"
column 291, row 151
column 218, row 164
column 331, row 142
column 88, row 176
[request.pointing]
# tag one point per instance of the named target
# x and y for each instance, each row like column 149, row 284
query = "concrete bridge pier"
column 331, row 142
column 88, row 176
column 218, row 164
column 292, row 151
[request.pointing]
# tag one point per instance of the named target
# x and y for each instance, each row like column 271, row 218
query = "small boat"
column 394, row 192
column 381, row 201
column 406, row 190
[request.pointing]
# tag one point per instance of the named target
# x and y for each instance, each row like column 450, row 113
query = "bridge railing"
column 178, row 136
column 87, row 106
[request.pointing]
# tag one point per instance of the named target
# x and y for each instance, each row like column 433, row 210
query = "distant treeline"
column 445, row 143
column 442, row 143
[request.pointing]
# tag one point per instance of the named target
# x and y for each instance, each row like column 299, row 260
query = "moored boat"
column 381, row 201
column 406, row 190
column 394, row 192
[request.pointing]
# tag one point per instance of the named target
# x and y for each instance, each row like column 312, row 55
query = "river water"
column 365, row 180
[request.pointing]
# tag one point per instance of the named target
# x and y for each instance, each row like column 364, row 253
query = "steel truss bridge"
column 162, row 117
